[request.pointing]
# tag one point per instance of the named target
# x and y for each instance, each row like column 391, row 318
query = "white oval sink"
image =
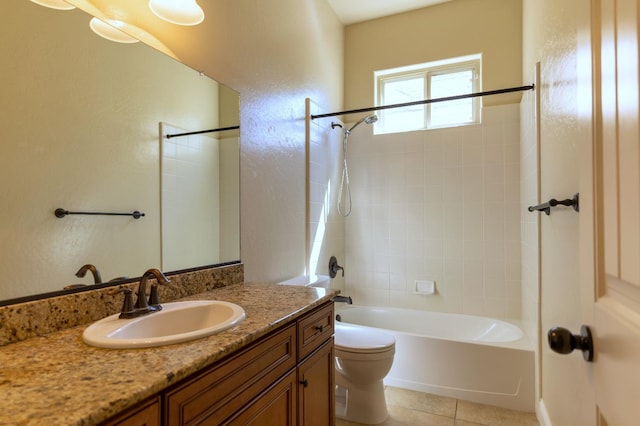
column 177, row 322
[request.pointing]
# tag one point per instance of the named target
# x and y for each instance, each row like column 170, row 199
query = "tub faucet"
column 343, row 299
column 97, row 279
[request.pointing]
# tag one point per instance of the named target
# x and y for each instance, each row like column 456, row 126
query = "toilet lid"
column 351, row 338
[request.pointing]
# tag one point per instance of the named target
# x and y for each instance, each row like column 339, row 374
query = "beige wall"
column 550, row 36
column 275, row 54
column 457, row 28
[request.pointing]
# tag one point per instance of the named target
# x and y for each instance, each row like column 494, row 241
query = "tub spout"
column 343, row 299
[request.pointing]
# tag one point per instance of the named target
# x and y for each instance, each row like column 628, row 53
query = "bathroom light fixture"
column 110, row 31
column 180, row 12
column 55, row 4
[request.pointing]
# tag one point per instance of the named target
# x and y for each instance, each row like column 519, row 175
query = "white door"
column 610, row 205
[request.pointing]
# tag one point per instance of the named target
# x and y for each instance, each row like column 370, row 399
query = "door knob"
column 563, row 342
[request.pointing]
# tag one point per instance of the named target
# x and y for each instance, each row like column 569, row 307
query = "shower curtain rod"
column 199, row 132
column 427, row 101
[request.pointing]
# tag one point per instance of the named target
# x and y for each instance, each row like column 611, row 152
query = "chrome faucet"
column 142, row 305
column 97, row 279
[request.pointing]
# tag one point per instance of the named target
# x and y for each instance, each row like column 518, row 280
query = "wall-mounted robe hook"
column 546, row 207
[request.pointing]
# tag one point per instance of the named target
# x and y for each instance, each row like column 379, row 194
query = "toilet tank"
column 321, row 281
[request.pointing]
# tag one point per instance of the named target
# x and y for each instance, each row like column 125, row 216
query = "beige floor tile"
column 493, row 416
column 464, row 423
column 399, row 416
column 341, row 422
column 424, row 402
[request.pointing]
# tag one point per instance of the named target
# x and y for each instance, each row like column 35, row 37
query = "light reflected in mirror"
column 81, row 122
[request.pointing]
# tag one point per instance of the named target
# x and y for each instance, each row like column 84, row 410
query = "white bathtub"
column 461, row 356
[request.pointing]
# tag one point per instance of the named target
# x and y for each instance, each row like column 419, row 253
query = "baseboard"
column 542, row 414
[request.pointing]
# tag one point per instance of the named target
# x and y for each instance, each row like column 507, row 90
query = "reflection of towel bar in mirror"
column 60, row 213
column 546, row 207
column 199, row 132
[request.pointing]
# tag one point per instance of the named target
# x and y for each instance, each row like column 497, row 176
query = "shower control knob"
column 334, row 267
column 563, row 342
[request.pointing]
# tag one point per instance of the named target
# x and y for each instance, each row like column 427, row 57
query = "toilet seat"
column 362, row 340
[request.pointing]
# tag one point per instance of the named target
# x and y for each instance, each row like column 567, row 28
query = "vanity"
column 276, row 367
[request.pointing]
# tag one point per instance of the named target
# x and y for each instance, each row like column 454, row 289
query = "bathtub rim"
column 523, row 343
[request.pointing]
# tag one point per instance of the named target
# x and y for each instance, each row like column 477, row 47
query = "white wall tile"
column 444, row 205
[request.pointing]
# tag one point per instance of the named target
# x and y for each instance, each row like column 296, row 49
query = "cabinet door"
column 316, row 388
column 275, row 407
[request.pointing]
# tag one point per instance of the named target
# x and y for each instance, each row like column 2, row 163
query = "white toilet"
column 363, row 357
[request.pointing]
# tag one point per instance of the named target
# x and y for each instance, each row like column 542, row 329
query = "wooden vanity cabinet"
column 285, row 378
column 146, row 413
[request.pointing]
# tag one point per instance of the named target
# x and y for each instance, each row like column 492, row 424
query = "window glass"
column 403, row 90
column 434, row 80
column 451, row 112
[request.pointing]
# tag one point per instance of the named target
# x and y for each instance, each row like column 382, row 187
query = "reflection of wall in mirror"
column 79, row 136
column 190, row 183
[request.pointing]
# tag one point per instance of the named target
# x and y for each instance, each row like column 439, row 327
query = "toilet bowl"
column 363, row 357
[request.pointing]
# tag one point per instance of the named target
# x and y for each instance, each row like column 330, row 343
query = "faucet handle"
column 334, row 267
column 154, row 298
column 127, row 304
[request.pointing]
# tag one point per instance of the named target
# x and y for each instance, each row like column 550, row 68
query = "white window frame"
column 427, row 71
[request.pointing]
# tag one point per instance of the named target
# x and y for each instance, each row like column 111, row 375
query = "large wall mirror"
column 82, row 124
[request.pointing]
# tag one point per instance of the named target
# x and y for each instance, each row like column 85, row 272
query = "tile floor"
column 410, row 408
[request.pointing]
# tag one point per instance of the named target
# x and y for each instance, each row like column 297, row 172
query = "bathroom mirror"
column 81, row 129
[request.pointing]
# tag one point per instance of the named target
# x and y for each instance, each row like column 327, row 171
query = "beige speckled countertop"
column 57, row 379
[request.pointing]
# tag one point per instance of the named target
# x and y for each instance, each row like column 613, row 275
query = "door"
column 610, row 204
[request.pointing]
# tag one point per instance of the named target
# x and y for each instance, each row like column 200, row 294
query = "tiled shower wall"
column 439, row 205
column 326, row 235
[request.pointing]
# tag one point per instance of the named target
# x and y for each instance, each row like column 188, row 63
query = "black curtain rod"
column 199, row 132
column 427, row 101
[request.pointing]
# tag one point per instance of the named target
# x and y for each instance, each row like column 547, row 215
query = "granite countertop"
column 57, row 379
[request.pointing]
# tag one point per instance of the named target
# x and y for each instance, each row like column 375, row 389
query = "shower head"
column 369, row 119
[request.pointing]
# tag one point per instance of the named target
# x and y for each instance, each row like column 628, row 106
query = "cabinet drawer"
column 314, row 329
column 217, row 393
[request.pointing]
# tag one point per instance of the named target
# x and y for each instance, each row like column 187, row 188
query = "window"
column 431, row 80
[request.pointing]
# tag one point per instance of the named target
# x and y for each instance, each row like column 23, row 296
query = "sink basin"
column 177, row 322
